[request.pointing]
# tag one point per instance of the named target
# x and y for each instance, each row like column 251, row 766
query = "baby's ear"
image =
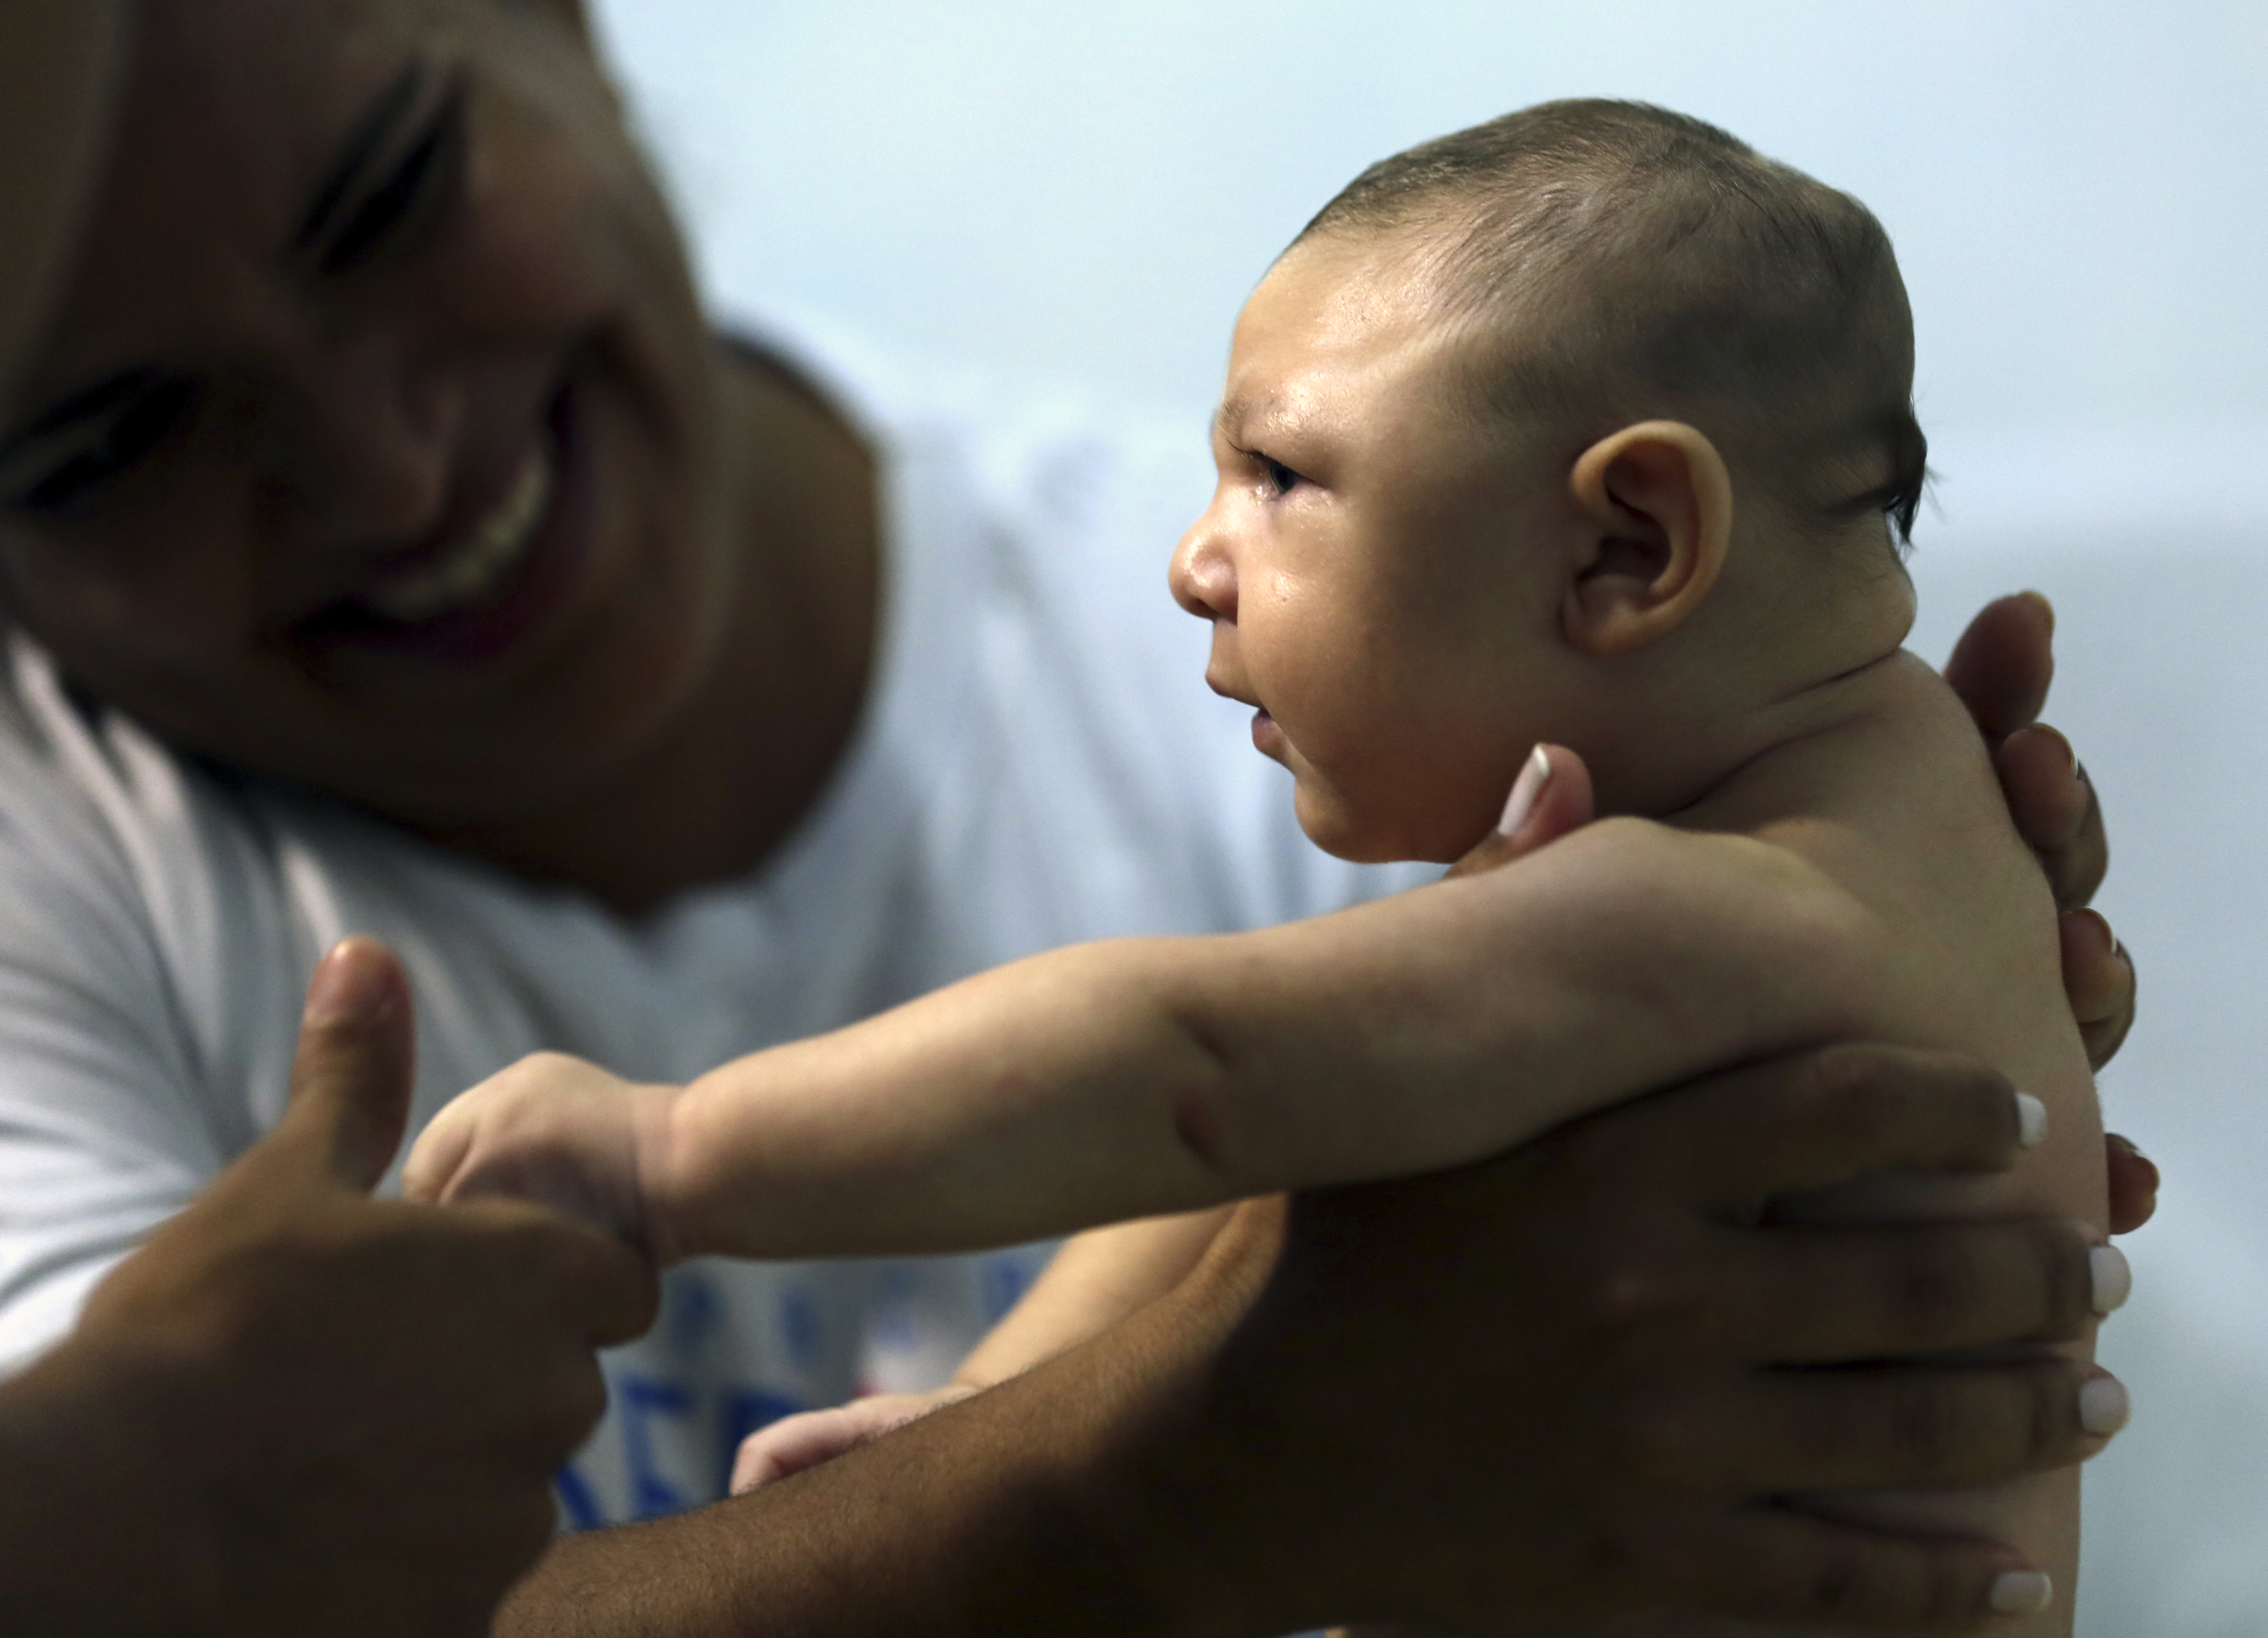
column 1657, row 506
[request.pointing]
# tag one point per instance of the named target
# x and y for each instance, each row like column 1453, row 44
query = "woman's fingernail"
column 2126, row 1147
column 2031, row 1121
column 1534, row 774
column 2070, row 751
column 2103, row 1406
column 2046, row 607
column 2021, row 1592
column 349, row 985
column 2113, row 1278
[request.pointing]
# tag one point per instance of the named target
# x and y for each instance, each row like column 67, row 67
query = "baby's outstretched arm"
column 1122, row 1079
column 1106, row 1275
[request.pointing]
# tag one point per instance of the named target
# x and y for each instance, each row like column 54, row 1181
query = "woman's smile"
column 470, row 568
column 486, row 585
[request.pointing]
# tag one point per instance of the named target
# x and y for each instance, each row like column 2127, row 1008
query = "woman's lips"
column 483, row 561
column 501, row 586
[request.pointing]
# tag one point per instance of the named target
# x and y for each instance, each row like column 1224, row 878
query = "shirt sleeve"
column 134, row 939
column 101, row 1132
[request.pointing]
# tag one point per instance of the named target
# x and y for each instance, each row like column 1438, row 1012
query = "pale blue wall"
column 2075, row 188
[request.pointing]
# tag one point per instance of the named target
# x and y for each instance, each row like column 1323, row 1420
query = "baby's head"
column 1589, row 424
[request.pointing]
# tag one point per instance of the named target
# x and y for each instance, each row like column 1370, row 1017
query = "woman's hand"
column 560, row 1132
column 298, row 1409
column 1600, row 1377
column 2000, row 668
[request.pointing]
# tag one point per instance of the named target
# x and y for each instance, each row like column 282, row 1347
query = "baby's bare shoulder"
column 1897, row 779
column 1895, row 804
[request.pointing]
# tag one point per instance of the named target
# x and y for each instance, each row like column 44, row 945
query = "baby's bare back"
column 1898, row 804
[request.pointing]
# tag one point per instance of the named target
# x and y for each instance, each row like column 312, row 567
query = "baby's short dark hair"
column 1642, row 253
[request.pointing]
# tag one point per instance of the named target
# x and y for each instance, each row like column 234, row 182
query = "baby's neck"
column 1722, row 711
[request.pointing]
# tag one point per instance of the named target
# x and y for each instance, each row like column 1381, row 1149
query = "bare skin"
column 1850, row 874
column 1104, row 1275
column 355, row 422
column 1217, row 1465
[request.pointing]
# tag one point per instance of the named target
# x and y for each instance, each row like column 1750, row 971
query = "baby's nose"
column 1204, row 574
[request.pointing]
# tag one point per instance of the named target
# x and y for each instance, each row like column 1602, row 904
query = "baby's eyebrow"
column 1235, row 415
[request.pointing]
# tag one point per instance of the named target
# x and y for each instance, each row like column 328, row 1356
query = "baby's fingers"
column 438, row 1155
column 812, row 1437
column 792, row 1444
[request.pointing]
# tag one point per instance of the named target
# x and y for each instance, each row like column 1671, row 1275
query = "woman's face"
column 374, row 444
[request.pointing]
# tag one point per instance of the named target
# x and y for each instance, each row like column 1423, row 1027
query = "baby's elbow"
column 1200, row 1129
column 1830, row 958
column 1198, row 1109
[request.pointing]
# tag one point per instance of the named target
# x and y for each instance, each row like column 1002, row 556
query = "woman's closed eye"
column 396, row 177
column 402, row 173
column 99, row 436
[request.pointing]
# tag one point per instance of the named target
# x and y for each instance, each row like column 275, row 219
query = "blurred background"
column 1084, row 194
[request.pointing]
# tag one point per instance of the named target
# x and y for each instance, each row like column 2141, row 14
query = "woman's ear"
column 1657, row 505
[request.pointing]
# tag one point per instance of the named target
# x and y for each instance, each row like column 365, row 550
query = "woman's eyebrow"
column 91, row 405
column 363, row 144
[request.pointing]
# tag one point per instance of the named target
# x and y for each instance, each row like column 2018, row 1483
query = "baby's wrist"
column 667, row 1218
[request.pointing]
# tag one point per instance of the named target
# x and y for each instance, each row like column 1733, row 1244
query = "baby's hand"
column 795, row 1443
column 561, row 1132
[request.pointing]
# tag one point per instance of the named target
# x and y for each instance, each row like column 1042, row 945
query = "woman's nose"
column 371, row 453
column 1204, row 573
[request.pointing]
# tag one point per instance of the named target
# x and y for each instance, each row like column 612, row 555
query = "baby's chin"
column 1364, row 835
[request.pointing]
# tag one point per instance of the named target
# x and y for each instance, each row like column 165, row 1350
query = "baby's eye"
column 1280, row 477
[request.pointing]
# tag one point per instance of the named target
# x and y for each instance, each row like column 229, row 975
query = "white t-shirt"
column 1038, row 763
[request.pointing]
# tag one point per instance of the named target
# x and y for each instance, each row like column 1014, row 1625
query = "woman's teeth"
column 483, row 562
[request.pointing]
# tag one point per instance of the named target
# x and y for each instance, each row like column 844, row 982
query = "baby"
column 1588, row 426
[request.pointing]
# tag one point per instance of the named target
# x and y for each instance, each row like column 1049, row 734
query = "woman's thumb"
column 1551, row 797
column 357, row 1064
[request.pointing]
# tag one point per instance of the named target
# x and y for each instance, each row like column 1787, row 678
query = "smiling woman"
column 390, row 545
column 411, row 558
column 409, row 481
